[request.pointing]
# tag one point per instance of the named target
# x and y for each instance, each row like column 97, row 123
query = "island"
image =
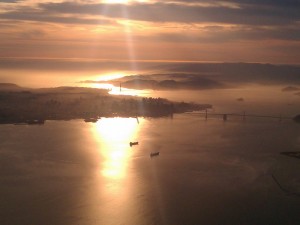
column 34, row 106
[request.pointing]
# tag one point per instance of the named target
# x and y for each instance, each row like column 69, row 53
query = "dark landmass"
column 9, row 87
column 199, row 76
column 242, row 73
column 291, row 88
column 190, row 84
column 166, row 82
column 298, row 93
column 297, row 118
column 291, row 154
column 33, row 106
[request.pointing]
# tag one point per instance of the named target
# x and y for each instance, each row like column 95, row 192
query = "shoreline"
column 67, row 103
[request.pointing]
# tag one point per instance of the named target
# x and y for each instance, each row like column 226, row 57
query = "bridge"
column 225, row 116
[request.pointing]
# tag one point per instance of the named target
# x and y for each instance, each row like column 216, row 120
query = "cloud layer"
column 245, row 13
column 234, row 30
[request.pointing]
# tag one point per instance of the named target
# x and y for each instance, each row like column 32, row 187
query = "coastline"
column 35, row 106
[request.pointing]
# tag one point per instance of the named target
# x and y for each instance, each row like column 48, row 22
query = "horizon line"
column 139, row 60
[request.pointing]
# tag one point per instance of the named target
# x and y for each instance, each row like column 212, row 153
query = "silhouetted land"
column 64, row 103
column 297, row 118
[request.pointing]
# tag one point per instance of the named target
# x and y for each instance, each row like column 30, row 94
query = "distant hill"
column 166, row 82
column 9, row 86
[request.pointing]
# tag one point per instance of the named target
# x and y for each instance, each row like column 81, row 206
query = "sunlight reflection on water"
column 115, row 183
column 115, row 135
column 86, row 173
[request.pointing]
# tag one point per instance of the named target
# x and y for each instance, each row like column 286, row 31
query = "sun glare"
column 123, row 1
column 110, row 76
column 103, row 82
column 115, row 135
column 116, row 1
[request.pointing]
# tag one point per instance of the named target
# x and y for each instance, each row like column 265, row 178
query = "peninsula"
column 34, row 106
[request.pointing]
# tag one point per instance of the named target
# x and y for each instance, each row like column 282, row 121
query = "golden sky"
column 64, row 35
column 234, row 30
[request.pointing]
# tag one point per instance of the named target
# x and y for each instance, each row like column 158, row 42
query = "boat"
column 133, row 143
column 152, row 154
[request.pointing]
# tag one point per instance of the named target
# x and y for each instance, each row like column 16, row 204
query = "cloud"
column 290, row 88
column 78, row 65
column 220, row 34
column 44, row 17
column 31, row 34
column 250, row 3
column 271, row 3
column 240, row 20
column 247, row 14
column 9, row 1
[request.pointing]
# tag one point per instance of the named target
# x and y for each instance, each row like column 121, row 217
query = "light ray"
column 129, row 41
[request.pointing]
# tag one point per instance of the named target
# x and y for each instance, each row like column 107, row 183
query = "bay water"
column 207, row 172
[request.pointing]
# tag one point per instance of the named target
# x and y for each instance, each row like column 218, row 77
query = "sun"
column 117, row 1
column 123, row 1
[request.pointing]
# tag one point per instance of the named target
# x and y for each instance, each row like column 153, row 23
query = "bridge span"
column 243, row 116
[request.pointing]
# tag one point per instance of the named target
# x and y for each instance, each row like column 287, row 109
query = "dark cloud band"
column 250, row 14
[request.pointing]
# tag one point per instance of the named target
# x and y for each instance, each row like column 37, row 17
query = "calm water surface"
column 208, row 172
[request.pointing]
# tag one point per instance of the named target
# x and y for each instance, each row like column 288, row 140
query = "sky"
column 59, row 32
